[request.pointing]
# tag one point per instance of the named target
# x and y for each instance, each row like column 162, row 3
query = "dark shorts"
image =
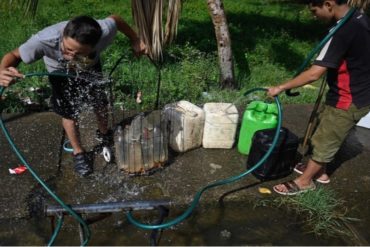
column 70, row 95
column 334, row 126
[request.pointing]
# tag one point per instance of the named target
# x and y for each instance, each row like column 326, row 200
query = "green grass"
column 270, row 40
column 321, row 212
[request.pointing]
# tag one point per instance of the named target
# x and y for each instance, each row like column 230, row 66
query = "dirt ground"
column 39, row 136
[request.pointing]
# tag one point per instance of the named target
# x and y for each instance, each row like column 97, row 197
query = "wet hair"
column 84, row 29
column 321, row 2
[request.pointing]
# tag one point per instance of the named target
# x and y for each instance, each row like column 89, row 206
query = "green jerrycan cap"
column 257, row 106
column 272, row 108
column 261, row 106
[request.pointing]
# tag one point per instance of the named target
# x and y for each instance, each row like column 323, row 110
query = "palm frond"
column 173, row 14
column 157, row 31
column 29, row 6
column 148, row 18
column 360, row 4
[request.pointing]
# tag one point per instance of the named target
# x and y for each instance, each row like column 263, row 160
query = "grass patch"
column 320, row 211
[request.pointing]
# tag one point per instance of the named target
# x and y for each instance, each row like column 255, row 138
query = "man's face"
column 324, row 12
column 72, row 50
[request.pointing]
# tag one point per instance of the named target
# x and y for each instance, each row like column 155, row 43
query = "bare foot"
column 321, row 176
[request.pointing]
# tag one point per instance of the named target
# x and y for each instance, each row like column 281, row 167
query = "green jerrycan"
column 258, row 115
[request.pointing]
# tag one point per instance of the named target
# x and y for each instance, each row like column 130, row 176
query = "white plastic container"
column 186, row 123
column 221, row 120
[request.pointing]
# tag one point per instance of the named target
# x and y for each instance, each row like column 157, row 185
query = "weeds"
column 321, row 212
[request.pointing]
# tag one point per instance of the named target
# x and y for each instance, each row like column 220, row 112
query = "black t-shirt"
column 347, row 57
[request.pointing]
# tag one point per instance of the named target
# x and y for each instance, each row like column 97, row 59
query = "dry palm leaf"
column 30, row 6
column 148, row 17
column 173, row 13
column 361, row 4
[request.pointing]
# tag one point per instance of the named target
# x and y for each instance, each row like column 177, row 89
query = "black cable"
column 154, row 239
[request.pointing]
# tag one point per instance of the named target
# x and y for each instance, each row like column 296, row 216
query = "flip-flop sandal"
column 299, row 168
column 293, row 189
column 322, row 181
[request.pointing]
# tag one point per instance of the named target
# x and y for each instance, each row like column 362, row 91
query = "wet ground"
column 226, row 214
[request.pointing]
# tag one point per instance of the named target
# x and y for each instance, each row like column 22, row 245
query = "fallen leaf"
column 263, row 190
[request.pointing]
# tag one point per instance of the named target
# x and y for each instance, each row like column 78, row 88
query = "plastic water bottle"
column 135, row 154
column 157, row 144
column 147, row 147
column 119, row 146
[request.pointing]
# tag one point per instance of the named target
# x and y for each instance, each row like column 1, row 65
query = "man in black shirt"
column 346, row 60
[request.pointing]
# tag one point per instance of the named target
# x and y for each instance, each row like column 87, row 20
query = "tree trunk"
column 217, row 13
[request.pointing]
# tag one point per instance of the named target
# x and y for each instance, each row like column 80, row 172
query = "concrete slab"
column 39, row 135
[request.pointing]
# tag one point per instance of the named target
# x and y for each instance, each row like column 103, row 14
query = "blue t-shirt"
column 46, row 44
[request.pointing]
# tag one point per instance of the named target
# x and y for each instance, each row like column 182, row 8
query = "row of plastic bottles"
column 141, row 146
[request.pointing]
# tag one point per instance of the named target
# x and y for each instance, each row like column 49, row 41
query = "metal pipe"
column 108, row 207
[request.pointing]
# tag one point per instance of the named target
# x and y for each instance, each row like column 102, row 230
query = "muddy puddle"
column 227, row 224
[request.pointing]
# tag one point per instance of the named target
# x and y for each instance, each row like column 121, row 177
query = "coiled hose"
column 198, row 195
column 86, row 229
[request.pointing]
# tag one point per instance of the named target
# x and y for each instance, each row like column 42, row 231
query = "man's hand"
column 273, row 91
column 9, row 75
column 139, row 47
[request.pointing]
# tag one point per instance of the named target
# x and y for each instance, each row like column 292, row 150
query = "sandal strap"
column 301, row 166
column 291, row 186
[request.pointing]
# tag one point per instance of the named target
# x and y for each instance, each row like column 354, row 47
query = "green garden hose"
column 198, row 195
column 86, row 228
column 56, row 231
